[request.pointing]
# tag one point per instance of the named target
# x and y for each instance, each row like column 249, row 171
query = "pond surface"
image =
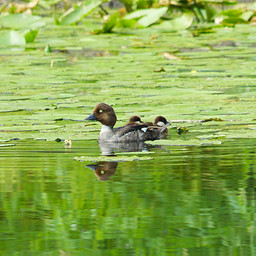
column 185, row 201
column 190, row 194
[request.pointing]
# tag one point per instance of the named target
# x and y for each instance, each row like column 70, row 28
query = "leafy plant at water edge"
column 78, row 12
column 146, row 17
column 19, row 28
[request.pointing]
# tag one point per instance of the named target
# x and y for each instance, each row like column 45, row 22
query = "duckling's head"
column 104, row 114
column 160, row 121
column 135, row 120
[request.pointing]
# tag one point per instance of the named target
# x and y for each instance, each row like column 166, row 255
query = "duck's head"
column 135, row 120
column 104, row 114
column 160, row 121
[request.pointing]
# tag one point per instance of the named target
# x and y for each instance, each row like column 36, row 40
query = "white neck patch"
column 106, row 133
column 106, row 129
column 160, row 123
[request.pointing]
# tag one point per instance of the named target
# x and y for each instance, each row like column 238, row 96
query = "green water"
column 191, row 194
column 186, row 201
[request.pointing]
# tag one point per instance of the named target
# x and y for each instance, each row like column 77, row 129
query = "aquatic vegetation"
column 19, row 28
column 78, row 12
column 146, row 17
column 180, row 142
column 189, row 79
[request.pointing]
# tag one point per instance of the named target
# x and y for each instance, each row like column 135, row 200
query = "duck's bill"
column 91, row 117
column 92, row 166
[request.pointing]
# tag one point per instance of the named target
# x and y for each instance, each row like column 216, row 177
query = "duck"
column 134, row 120
column 159, row 121
column 105, row 114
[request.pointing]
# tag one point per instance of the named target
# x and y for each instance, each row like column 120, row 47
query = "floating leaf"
column 192, row 142
column 21, row 20
column 77, row 13
column 180, row 23
column 11, row 37
column 17, row 128
column 147, row 16
column 7, row 145
column 111, row 158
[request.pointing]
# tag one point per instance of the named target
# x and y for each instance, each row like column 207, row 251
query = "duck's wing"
column 156, row 132
column 128, row 129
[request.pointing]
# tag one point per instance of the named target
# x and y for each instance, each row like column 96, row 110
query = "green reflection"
column 192, row 200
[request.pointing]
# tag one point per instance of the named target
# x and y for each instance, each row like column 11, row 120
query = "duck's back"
column 130, row 133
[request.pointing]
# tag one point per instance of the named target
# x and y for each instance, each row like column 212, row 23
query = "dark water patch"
column 93, row 81
column 18, row 73
column 228, row 43
column 86, row 52
column 184, row 49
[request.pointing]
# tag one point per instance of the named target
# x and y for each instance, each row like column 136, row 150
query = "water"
column 186, row 201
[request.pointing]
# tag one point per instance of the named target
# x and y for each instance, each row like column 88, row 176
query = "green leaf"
column 136, row 14
column 30, row 35
column 232, row 13
column 21, row 20
column 110, row 23
column 147, row 16
column 210, row 12
column 77, row 13
column 180, row 23
column 127, row 23
column 233, row 20
column 11, row 37
column 192, row 142
column 246, row 15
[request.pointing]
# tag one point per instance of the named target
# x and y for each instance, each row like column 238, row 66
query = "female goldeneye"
column 128, row 133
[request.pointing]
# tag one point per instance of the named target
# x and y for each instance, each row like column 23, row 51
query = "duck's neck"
column 106, row 132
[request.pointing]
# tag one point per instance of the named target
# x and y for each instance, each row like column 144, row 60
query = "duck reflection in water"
column 104, row 170
column 109, row 148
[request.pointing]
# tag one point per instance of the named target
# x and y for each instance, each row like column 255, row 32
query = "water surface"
column 197, row 200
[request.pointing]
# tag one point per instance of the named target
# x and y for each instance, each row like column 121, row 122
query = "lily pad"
column 7, row 145
column 20, row 21
column 111, row 158
column 192, row 142
column 11, row 37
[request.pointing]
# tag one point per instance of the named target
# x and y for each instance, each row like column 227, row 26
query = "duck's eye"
column 100, row 111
